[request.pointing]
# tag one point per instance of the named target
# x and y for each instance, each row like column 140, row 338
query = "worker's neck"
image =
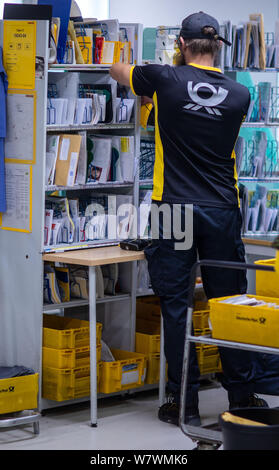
column 206, row 60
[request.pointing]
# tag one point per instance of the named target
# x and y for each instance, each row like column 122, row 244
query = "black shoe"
column 169, row 413
column 253, row 401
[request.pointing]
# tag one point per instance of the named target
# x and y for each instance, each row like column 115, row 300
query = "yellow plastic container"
column 200, row 319
column 153, row 369
column 19, row 393
column 267, row 283
column 128, row 371
column 67, row 333
column 210, row 365
column 202, row 331
column 68, row 358
column 208, row 358
column 201, row 305
column 59, row 358
column 82, row 384
column 277, row 261
column 65, row 384
column 147, row 343
column 240, row 323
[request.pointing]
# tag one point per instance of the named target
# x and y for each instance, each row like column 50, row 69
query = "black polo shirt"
column 198, row 114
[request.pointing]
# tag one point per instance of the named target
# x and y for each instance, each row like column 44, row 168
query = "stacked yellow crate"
column 66, row 357
column 125, row 373
column 148, row 335
column 208, row 356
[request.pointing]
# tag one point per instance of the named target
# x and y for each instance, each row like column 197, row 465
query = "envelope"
column 67, row 161
column 80, row 111
column 70, row 112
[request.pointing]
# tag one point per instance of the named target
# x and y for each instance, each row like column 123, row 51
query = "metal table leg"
column 162, row 383
column 93, row 355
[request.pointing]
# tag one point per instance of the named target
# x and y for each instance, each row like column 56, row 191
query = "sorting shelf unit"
column 22, row 269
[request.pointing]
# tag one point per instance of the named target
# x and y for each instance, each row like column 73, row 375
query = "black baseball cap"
column 193, row 27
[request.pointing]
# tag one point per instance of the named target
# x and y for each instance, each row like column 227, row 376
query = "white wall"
column 94, row 8
column 153, row 13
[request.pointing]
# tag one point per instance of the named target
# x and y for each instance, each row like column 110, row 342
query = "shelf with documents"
column 90, row 127
column 267, row 179
column 48, row 308
column 78, row 68
column 259, row 124
column 90, row 186
column 21, row 336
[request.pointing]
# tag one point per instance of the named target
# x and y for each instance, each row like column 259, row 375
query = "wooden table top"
column 258, row 241
column 95, row 256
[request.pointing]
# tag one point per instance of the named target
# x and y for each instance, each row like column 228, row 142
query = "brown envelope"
column 67, row 159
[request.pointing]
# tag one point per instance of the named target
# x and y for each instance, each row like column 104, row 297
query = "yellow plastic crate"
column 267, row 283
column 68, row 358
column 82, row 385
column 210, row 365
column 67, row 333
column 128, row 371
column 66, row 384
column 277, row 261
column 200, row 305
column 147, row 343
column 202, row 331
column 240, row 323
column 59, row 358
column 208, row 358
column 200, row 319
column 204, row 351
column 19, row 393
column 153, row 369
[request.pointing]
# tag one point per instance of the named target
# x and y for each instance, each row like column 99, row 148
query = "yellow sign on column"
column 19, row 53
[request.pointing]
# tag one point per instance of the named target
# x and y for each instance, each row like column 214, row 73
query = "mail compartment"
column 19, row 393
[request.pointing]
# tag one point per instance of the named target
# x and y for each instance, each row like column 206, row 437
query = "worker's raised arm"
column 121, row 73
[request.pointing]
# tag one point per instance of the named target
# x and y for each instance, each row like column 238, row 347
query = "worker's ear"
column 181, row 43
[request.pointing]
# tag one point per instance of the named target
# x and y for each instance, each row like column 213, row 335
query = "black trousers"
column 217, row 236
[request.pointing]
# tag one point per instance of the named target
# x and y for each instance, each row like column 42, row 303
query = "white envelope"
column 70, row 112
column 56, row 110
column 80, row 111
column 64, row 112
column 88, row 113
column 125, row 110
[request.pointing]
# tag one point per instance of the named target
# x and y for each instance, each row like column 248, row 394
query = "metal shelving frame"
column 22, row 267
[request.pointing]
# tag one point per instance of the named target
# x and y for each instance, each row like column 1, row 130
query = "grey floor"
column 123, row 424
